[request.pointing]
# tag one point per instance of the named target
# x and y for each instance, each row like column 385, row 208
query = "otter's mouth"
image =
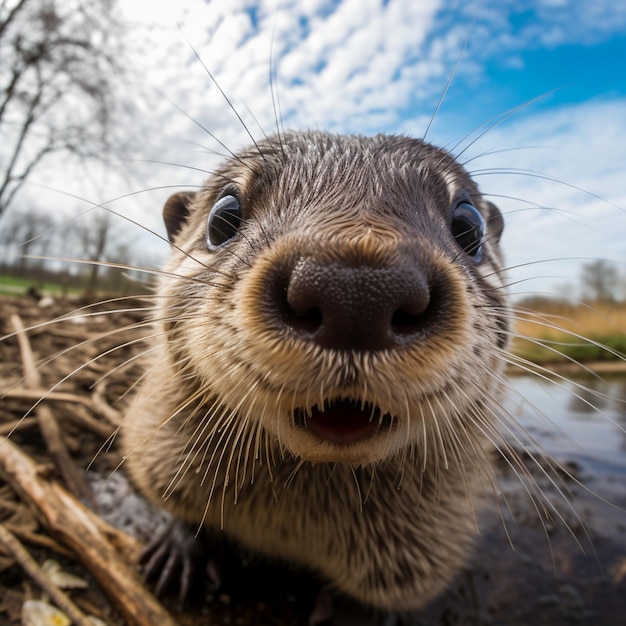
column 343, row 421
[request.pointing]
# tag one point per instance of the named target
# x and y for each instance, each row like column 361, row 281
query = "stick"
column 47, row 423
column 15, row 425
column 92, row 540
column 81, row 419
column 103, row 407
column 43, row 541
column 35, row 394
column 31, row 567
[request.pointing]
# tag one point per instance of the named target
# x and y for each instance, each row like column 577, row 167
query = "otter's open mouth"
column 343, row 421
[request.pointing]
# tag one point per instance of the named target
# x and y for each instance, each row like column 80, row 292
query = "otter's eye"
column 468, row 228
column 223, row 222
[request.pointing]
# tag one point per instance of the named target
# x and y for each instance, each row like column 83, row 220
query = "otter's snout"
column 346, row 307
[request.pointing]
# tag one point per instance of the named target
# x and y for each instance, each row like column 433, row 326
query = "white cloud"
column 573, row 196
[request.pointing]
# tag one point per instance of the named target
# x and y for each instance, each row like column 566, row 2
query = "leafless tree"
column 600, row 281
column 93, row 234
column 114, row 261
column 59, row 60
column 24, row 233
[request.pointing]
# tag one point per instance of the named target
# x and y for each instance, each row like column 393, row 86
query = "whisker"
column 493, row 123
column 278, row 118
column 226, row 99
column 512, row 171
column 449, row 82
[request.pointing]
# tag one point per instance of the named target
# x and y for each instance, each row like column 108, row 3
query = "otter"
column 323, row 379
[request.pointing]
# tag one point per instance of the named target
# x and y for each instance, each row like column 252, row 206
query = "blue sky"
column 369, row 66
column 566, row 73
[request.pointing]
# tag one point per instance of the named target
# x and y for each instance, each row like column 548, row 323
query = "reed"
column 558, row 331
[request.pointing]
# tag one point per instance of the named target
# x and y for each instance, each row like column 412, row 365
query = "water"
column 582, row 420
column 565, row 563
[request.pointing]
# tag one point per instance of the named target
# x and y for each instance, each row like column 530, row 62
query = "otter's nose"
column 356, row 308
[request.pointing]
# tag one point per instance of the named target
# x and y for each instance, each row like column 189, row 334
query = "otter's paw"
column 174, row 558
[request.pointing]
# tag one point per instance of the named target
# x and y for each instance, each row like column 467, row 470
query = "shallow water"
column 566, row 563
column 578, row 420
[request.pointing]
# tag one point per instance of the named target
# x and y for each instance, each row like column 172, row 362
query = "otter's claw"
column 174, row 558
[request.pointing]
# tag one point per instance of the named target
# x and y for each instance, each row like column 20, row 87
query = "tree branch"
column 4, row 24
column 51, row 61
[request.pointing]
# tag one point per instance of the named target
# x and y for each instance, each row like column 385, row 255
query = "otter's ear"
column 495, row 221
column 176, row 212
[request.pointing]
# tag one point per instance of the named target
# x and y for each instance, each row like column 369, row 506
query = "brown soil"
column 528, row 568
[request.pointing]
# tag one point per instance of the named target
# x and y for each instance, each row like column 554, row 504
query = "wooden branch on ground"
column 20, row 424
column 103, row 407
column 33, row 394
column 80, row 417
column 43, row 580
column 98, row 546
column 48, row 424
column 36, row 539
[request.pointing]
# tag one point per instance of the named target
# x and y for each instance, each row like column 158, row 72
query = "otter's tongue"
column 343, row 422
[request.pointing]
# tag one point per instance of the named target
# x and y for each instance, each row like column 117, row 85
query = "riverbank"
column 568, row 368
column 570, row 338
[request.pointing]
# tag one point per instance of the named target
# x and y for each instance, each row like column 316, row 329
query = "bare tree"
column 600, row 281
column 93, row 234
column 24, row 233
column 109, row 249
column 58, row 63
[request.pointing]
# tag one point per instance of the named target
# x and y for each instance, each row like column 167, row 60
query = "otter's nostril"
column 403, row 323
column 418, row 314
column 307, row 322
column 302, row 316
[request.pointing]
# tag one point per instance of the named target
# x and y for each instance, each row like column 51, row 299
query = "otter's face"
column 343, row 297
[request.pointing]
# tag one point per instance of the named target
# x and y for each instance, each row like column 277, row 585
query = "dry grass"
column 585, row 332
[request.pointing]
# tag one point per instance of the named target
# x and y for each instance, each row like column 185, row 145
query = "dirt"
column 566, row 567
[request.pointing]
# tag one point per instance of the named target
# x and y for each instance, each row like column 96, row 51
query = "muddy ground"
column 527, row 569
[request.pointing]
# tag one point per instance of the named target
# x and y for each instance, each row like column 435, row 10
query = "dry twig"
column 43, row 580
column 47, row 422
column 96, row 544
